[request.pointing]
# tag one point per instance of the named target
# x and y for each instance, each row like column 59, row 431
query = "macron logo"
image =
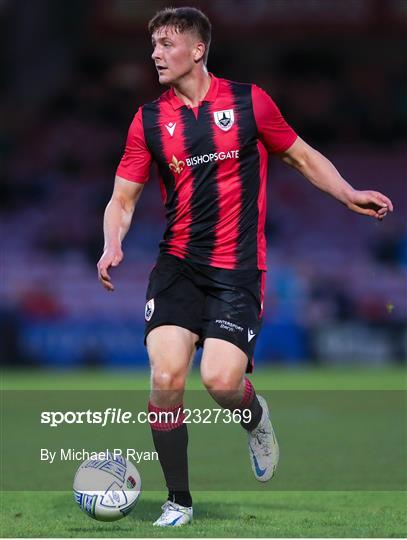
column 250, row 335
column 171, row 128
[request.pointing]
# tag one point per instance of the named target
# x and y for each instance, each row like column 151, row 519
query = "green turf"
column 230, row 514
column 392, row 378
column 310, row 514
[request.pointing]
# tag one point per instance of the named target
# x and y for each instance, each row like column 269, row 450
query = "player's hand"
column 110, row 257
column 370, row 203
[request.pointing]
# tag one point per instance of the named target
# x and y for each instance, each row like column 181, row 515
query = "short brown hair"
column 184, row 19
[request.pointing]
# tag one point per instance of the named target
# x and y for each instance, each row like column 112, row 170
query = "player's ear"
column 199, row 51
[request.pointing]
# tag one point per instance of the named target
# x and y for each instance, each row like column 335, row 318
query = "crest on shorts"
column 224, row 119
column 149, row 310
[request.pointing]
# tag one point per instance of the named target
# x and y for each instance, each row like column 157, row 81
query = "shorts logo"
column 149, row 310
column 229, row 326
column 250, row 335
column 176, row 166
column 224, row 119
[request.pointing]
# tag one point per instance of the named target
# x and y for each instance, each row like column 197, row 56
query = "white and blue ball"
column 107, row 489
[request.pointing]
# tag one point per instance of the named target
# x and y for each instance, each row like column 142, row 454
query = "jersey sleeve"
column 136, row 160
column 276, row 135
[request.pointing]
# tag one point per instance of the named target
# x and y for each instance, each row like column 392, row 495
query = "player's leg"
column 223, row 369
column 170, row 350
column 173, row 317
column 232, row 323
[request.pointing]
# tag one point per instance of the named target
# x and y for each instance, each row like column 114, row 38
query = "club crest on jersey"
column 176, row 166
column 149, row 310
column 224, row 119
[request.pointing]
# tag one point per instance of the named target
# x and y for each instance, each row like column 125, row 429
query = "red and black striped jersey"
column 212, row 164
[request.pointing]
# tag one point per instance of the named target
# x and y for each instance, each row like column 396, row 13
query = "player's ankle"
column 250, row 404
column 183, row 498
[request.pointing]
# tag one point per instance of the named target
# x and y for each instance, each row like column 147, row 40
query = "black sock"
column 256, row 411
column 180, row 497
column 251, row 403
column 171, row 444
column 171, row 447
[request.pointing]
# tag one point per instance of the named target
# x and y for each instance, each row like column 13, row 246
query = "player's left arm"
column 323, row 175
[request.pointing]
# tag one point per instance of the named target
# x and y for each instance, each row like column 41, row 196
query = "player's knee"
column 165, row 379
column 220, row 383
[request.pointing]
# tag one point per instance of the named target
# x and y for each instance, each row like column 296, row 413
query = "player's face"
column 174, row 54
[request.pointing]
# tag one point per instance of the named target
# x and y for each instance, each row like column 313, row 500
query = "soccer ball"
column 107, row 489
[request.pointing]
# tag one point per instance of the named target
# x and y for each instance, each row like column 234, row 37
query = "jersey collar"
column 210, row 95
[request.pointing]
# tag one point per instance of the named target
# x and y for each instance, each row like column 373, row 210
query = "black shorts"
column 208, row 301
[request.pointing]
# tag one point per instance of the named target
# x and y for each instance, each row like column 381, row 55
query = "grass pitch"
column 284, row 514
column 217, row 514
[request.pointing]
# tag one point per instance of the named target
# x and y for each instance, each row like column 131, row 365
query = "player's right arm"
column 132, row 174
column 117, row 219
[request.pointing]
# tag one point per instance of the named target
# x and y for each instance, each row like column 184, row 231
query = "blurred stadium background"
column 73, row 75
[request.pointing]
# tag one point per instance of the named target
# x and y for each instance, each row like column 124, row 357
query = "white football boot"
column 263, row 446
column 174, row 515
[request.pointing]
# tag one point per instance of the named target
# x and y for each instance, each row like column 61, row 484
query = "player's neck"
column 192, row 89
